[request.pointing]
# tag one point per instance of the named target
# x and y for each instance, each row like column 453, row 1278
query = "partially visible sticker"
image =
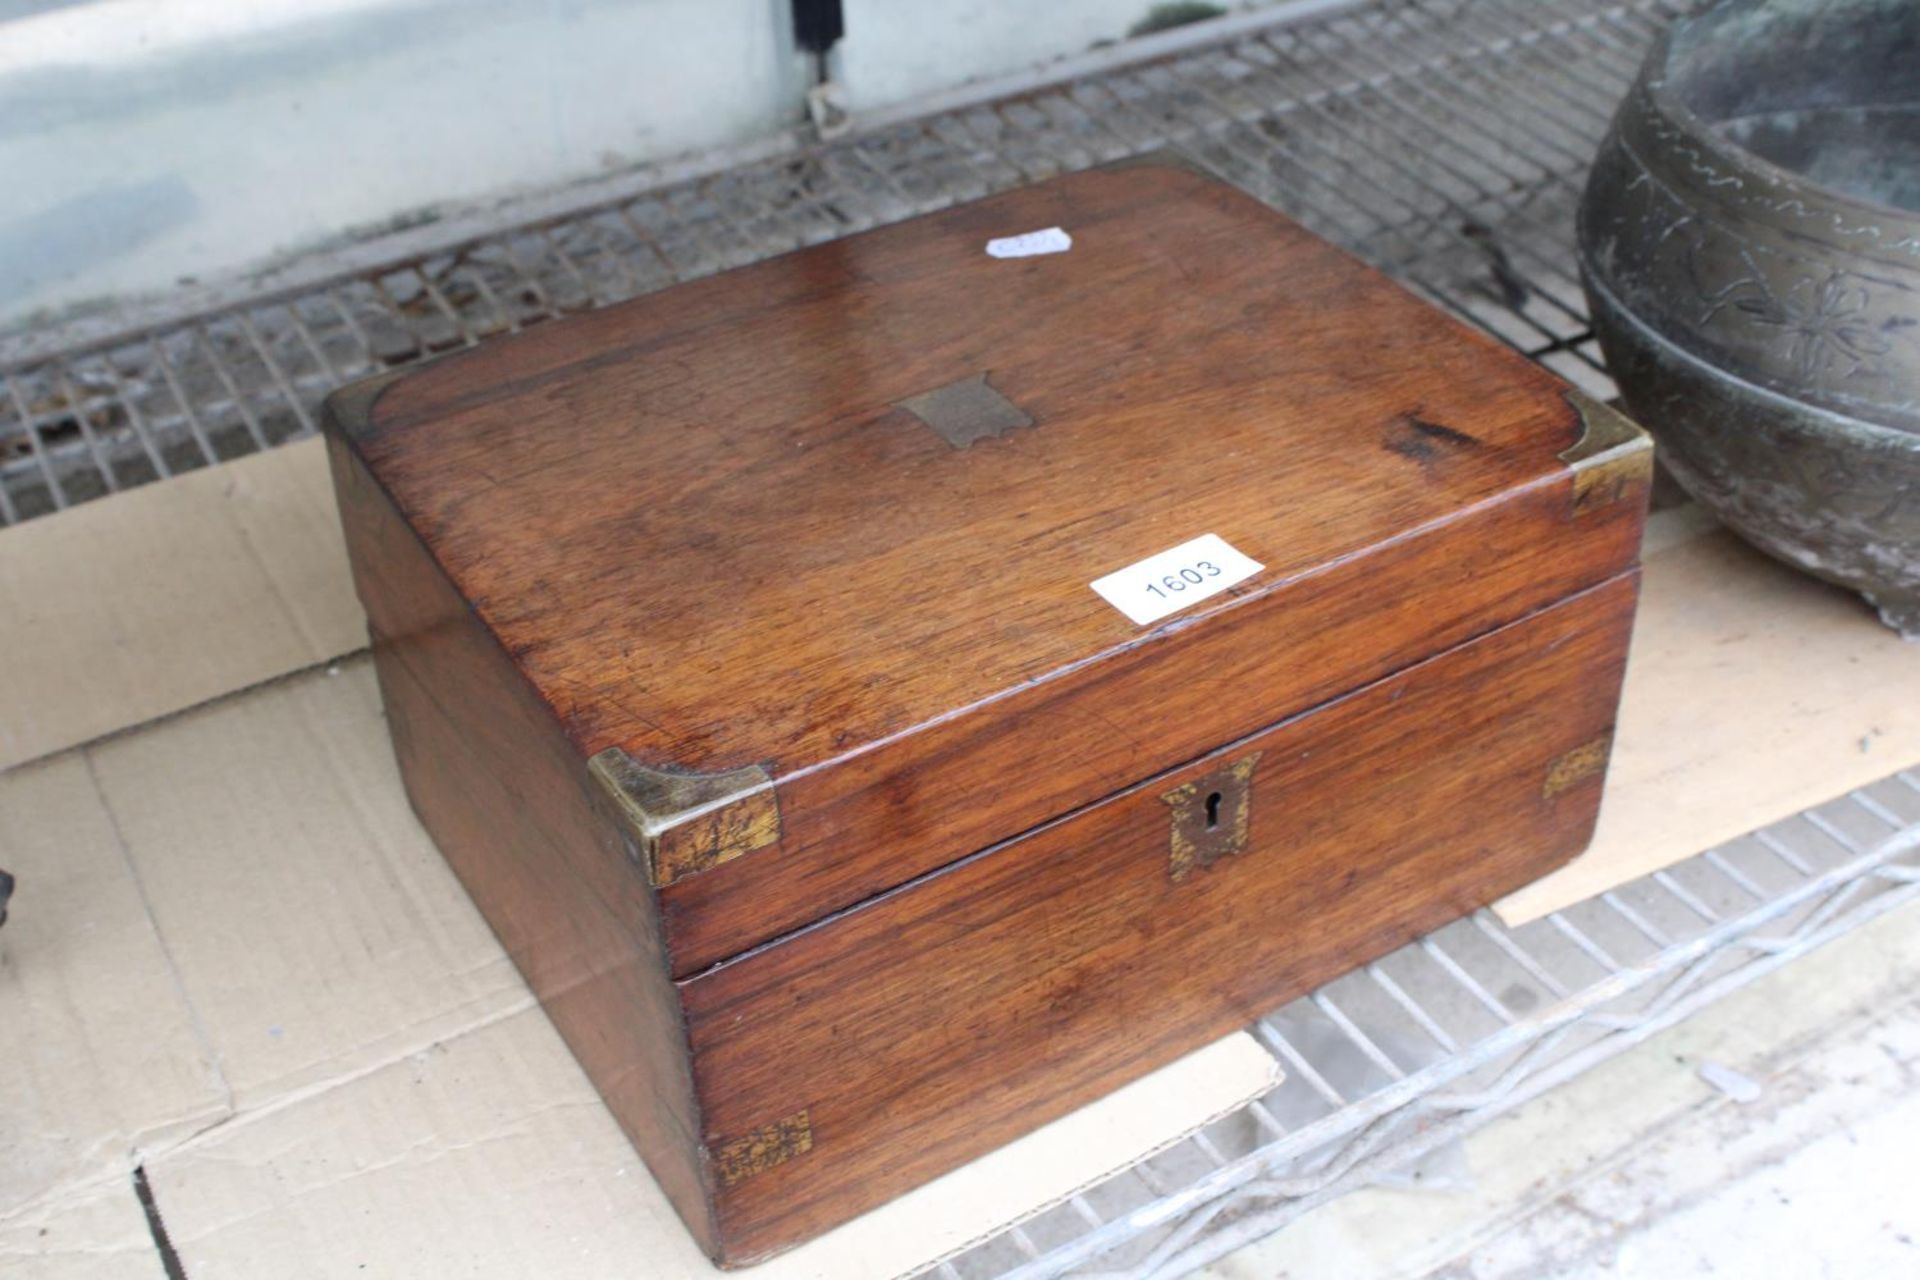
column 1167, row 583
column 1031, row 245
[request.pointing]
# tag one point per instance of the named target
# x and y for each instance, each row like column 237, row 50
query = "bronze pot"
column 1750, row 245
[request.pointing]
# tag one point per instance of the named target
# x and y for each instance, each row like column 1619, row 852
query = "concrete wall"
column 147, row 141
column 141, row 142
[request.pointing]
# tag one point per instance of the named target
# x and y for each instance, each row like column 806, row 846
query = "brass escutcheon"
column 1211, row 816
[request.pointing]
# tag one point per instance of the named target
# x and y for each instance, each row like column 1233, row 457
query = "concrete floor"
column 1643, row 1170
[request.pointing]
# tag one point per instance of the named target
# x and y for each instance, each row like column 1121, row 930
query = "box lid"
column 801, row 555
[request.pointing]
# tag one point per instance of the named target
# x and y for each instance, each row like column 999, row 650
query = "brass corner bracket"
column 738, row 1159
column 1567, row 771
column 689, row 822
column 1612, row 456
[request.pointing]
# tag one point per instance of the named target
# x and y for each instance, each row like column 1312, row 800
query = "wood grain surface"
column 508, row 802
column 808, row 1080
column 923, row 1029
column 727, row 531
column 707, row 533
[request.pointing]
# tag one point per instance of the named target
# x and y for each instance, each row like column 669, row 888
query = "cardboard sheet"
column 99, row 1233
column 236, row 960
column 489, row 1155
column 101, row 1056
column 1752, row 693
column 169, row 594
column 310, row 919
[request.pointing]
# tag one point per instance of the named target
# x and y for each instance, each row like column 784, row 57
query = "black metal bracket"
column 818, row 25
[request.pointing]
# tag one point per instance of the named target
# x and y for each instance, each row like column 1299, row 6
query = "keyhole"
column 1213, row 811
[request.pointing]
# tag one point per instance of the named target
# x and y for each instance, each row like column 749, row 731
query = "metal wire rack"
column 1442, row 139
column 1445, row 141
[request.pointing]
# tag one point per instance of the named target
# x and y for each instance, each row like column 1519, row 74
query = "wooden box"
column 743, row 655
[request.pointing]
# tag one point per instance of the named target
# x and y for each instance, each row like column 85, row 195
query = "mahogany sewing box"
column 886, row 696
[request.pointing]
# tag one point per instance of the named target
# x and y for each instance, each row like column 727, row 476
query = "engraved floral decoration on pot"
column 1830, row 325
column 1750, row 244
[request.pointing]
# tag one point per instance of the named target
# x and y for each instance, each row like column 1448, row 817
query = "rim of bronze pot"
column 1903, row 240
column 1750, row 59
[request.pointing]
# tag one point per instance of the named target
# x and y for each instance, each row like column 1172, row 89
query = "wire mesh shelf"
column 1443, row 140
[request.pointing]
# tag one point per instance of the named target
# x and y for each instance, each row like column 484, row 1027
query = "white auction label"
column 1031, row 245
column 1168, row 582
